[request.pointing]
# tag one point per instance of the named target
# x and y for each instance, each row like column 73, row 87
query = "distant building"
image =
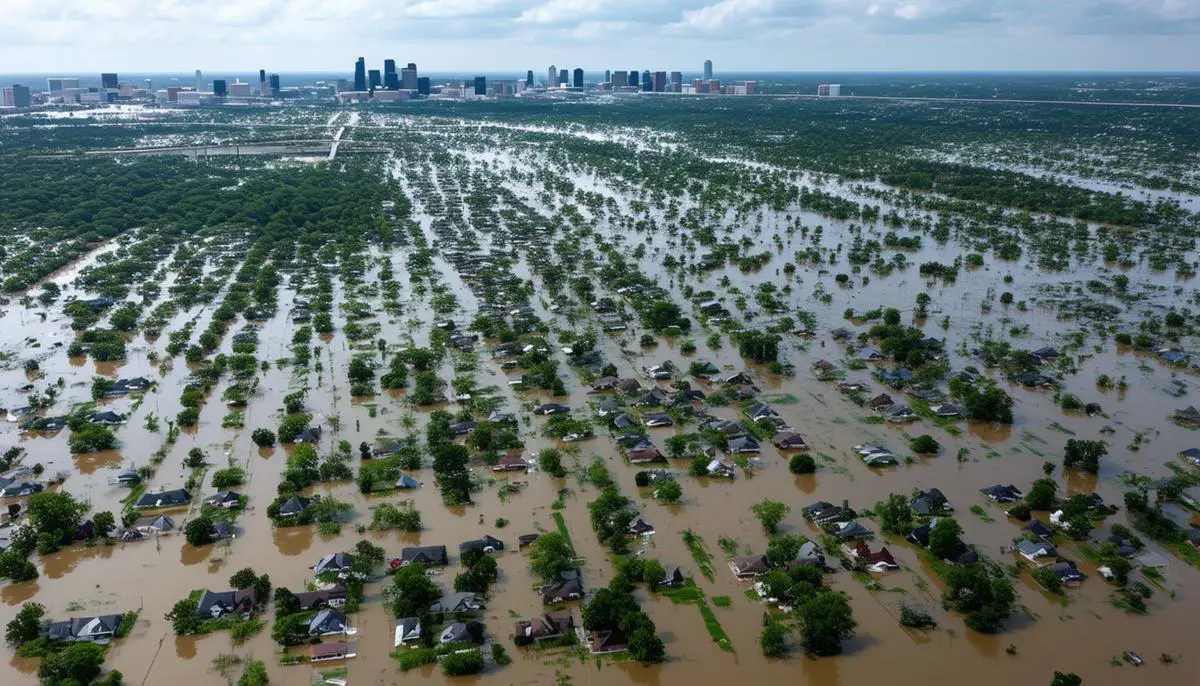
column 647, row 82
column 199, row 83
column 391, row 80
column 360, row 74
column 423, row 85
column 273, row 83
column 620, row 79
column 552, row 76
column 633, row 79
column 480, row 85
column 563, row 77
column 408, row 77
column 676, row 81
column 17, row 96
column 699, row 86
column 529, row 79
column 708, row 72
column 714, row 86
column 751, row 87
column 660, row 81
column 219, row 88
column 607, row 76
column 109, row 80
column 57, row 84
column 238, row 89
column 577, row 81
column 830, row 90
column 374, row 79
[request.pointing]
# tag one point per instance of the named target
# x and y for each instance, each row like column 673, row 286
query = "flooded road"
column 475, row 189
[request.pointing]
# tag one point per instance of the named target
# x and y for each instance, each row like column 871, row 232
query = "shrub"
column 464, row 663
column 802, row 464
column 924, row 445
column 263, row 438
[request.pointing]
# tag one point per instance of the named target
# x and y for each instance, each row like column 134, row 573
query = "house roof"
column 430, row 554
column 312, row 599
column 172, row 498
column 292, row 506
column 511, row 460
column 750, row 564
column 333, row 562
column 327, row 650
column 327, row 621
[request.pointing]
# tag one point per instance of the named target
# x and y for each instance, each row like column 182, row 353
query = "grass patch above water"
column 561, row 525
column 690, row 594
column 700, row 554
column 981, row 513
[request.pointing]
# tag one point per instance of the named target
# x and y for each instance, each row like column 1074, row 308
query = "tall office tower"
column 273, row 80
column 647, row 82
column 660, row 81
column 708, row 70
column 578, row 78
column 633, row 79
column 620, row 79
column 57, row 84
column 408, row 77
column 148, row 85
column 552, row 76
column 220, row 89
column 480, row 85
column 423, row 85
column 360, row 74
column 751, row 87
column 698, row 84
column 262, row 82
column 17, row 96
column 529, row 79
column 607, row 76
column 199, row 83
column 563, row 77
column 374, row 79
column 714, row 86
column 391, row 80
column 108, row 80
column 676, row 81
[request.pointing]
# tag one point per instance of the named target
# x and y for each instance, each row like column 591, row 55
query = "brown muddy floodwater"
column 1080, row 632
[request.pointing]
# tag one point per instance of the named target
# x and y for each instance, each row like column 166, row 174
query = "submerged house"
column 174, row 498
column 547, row 626
column 98, row 628
column 569, row 586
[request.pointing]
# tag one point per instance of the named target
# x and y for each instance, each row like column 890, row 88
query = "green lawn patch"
column 700, row 554
column 561, row 524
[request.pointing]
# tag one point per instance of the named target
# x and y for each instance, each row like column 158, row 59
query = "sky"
column 83, row 36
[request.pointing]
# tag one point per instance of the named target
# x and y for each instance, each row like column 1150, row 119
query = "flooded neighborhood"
column 591, row 393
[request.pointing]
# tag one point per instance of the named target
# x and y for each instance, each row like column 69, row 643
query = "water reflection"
column 293, row 540
column 15, row 594
column 67, row 559
column 185, row 646
column 88, row 463
column 192, row 555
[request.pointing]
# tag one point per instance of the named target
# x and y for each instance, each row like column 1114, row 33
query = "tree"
column 78, row 663
column 773, row 639
column 16, row 568
column 645, row 645
column 761, row 347
column 286, row 602
column 551, row 555
column 550, row 461
column 770, row 513
column 1068, row 679
column 827, row 621
column 183, row 617
column 985, row 400
column 895, row 515
column 1042, row 496
column 290, row 630
column 26, row 625
column 243, row 578
column 413, row 591
column 255, row 674
column 699, row 466
column 56, row 514
column 91, row 438
column 678, row 445
column 669, row 491
column 943, row 539
column 802, row 463
column 198, row 531
column 462, row 663
column 924, row 445
column 782, row 550
column 653, row 573
column 263, row 438
column 1084, row 455
column 663, row 314
column 292, row 425
column 103, row 524
column 982, row 592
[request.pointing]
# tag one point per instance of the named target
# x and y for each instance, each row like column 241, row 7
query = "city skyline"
column 48, row 36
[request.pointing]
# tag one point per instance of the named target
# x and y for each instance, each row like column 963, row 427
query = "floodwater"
column 1045, row 634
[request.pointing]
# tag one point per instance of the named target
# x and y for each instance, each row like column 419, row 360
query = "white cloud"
column 720, row 16
column 444, row 9
column 560, row 11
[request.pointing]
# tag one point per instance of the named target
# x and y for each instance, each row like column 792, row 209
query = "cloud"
column 447, row 9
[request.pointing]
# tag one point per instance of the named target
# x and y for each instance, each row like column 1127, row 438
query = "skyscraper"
column 391, row 80
column 408, row 79
column 273, row 80
column 620, row 79
column 647, row 82
column 360, row 74
column 480, row 85
column 578, row 78
column 109, row 80
column 529, row 79
column 56, row 84
column 373, row 79
column 607, row 76
column 563, row 77
column 17, row 96
column 660, row 81
column 633, row 79
column 199, row 82
column 676, row 81
column 220, row 89
column 262, row 82
column 708, row 70
column 552, row 76
column 423, row 85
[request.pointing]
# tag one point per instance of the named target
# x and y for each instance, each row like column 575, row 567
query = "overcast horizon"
column 451, row 36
